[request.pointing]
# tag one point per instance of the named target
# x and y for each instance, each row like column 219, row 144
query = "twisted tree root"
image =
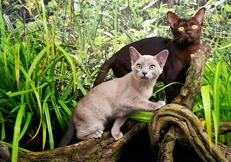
column 179, row 115
column 176, row 115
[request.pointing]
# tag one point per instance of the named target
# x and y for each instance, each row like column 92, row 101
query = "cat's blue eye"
column 152, row 67
column 138, row 66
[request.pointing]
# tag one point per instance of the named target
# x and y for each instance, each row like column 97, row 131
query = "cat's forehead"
column 187, row 21
column 147, row 59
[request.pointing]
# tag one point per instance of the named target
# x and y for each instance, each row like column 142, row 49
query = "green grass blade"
column 162, row 88
column 13, row 94
column 17, row 65
column 49, row 126
column 16, row 135
column 216, row 103
column 141, row 116
column 44, row 132
column 65, row 108
column 57, row 112
column 48, row 120
column 3, row 132
column 2, row 29
column 207, row 110
column 19, row 148
column 71, row 63
column 95, row 22
column 26, row 125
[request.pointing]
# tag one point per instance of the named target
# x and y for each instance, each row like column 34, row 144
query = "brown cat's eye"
column 194, row 26
column 181, row 28
column 152, row 67
column 138, row 66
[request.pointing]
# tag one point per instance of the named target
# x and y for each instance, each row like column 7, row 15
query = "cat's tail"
column 68, row 135
column 104, row 70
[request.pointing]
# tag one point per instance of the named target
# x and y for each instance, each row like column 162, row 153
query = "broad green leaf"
column 207, row 110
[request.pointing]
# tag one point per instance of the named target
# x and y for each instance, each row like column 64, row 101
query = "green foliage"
column 49, row 63
column 217, row 82
column 35, row 88
column 39, row 84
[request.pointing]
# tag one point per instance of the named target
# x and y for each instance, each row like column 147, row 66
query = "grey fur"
column 117, row 99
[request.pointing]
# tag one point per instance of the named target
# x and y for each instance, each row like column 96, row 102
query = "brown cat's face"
column 186, row 31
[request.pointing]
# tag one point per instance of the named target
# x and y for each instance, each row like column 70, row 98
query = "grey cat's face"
column 146, row 68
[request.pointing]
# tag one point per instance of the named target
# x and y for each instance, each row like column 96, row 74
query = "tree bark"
column 101, row 150
column 174, row 116
column 178, row 115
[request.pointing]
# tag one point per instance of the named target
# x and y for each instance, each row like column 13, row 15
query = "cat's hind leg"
column 115, row 131
column 90, row 132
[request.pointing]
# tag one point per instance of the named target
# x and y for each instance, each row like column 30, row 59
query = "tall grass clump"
column 213, row 104
column 216, row 98
column 39, row 85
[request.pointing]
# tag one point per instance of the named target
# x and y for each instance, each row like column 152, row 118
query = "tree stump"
column 173, row 123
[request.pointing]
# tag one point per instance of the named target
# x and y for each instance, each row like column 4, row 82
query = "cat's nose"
column 188, row 32
column 144, row 73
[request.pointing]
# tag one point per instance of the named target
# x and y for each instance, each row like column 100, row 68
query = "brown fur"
column 180, row 48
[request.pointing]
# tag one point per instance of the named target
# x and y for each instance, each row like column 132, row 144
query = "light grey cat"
column 117, row 99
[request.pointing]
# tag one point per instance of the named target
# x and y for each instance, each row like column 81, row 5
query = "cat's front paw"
column 116, row 135
column 160, row 104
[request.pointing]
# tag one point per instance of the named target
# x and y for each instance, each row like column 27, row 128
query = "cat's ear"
column 172, row 18
column 200, row 15
column 134, row 54
column 162, row 57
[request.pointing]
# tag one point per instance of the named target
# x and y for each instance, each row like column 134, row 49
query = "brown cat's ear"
column 172, row 18
column 200, row 15
column 162, row 57
column 134, row 54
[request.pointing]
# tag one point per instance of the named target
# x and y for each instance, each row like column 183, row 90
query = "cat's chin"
column 144, row 78
column 190, row 40
column 186, row 41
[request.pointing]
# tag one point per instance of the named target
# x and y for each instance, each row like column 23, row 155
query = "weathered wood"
column 179, row 115
column 224, row 127
column 103, row 149
column 175, row 115
column 194, row 79
column 167, row 146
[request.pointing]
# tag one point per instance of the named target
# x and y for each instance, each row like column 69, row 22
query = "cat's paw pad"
column 160, row 104
column 116, row 135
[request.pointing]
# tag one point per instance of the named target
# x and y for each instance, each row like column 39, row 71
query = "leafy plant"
column 215, row 94
column 48, row 63
column 38, row 87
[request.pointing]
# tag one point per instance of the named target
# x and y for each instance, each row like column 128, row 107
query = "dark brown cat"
column 186, row 40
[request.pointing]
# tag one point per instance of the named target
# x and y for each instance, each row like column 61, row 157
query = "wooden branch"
column 224, row 127
column 180, row 115
column 173, row 114
column 194, row 79
column 103, row 149
column 167, row 145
